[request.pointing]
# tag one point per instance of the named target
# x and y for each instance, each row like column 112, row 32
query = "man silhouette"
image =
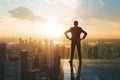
column 75, row 40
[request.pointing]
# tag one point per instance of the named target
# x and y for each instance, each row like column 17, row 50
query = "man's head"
column 75, row 23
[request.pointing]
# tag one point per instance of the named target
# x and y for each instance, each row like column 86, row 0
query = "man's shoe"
column 80, row 62
column 70, row 61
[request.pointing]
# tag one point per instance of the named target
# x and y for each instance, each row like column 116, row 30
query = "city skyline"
column 100, row 18
column 32, row 60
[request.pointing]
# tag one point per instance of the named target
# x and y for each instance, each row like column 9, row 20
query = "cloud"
column 101, row 3
column 96, row 9
column 67, row 3
column 95, row 3
column 86, row 9
column 26, row 14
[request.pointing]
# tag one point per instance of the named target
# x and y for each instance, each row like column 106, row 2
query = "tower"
column 2, row 59
column 12, row 69
column 24, row 67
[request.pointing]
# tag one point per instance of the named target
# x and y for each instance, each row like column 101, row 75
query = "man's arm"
column 66, row 34
column 85, row 34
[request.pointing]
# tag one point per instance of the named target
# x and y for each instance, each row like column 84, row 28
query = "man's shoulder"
column 79, row 27
column 72, row 28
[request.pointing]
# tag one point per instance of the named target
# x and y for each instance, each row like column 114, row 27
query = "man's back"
column 76, row 32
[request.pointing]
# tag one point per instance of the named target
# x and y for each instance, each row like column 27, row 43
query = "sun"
column 52, row 29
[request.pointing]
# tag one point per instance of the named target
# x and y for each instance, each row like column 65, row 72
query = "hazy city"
column 59, row 40
column 30, row 59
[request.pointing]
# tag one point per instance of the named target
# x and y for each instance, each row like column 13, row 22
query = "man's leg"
column 72, row 51
column 79, row 52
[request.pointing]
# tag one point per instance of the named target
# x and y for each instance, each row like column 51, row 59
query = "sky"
column 21, row 18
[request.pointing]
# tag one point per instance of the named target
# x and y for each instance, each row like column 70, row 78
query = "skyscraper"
column 12, row 69
column 2, row 59
column 24, row 67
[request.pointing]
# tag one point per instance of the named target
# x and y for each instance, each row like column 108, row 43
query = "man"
column 75, row 40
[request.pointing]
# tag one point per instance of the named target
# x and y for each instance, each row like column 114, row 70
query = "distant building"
column 90, row 52
column 20, row 40
column 42, row 59
column 49, row 53
column 46, row 52
column 101, row 48
column 29, row 62
column 95, row 52
column 84, row 50
column 12, row 69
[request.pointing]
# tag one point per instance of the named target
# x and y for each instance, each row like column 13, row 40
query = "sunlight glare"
column 57, row 42
column 52, row 29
